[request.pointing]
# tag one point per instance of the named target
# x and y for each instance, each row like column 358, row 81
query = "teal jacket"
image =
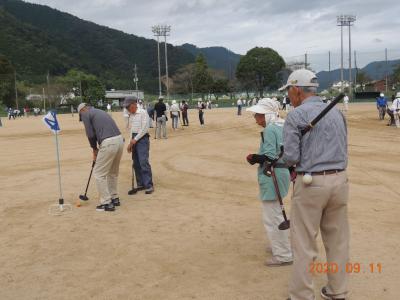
column 271, row 147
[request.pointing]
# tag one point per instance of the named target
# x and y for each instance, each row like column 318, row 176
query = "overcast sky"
column 290, row 27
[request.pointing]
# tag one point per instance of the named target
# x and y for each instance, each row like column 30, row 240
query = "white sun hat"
column 80, row 106
column 301, row 78
column 398, row 95
column 265, row 106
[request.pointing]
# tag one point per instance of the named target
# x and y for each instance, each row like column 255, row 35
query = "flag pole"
column 61, row 199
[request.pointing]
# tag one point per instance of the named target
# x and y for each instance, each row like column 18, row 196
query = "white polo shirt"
column 139, row 123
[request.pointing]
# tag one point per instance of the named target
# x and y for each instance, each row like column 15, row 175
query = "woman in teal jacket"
column 266, row 116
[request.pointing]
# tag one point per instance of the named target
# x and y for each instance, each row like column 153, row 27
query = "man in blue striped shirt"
column 322, row 203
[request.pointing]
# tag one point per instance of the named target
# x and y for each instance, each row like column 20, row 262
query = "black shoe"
column 132, row 192
column 116, row 202
column 325, row 295
column 135, row 190
column 105, row 207
column 149, row 191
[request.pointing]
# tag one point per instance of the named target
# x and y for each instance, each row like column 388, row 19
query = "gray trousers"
column 161, row 125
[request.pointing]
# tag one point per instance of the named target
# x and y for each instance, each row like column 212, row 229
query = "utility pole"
column 80, row 89
column 16, row 90
column 44, row 100
column 355, row 66
column 386, row 75
column 329, row 68
column 135, row 80
column 48, row 87
column 305, row 61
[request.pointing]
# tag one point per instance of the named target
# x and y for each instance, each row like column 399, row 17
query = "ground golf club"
column 85, row 197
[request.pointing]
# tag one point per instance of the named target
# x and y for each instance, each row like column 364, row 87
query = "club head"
column 284, row 225
column 83, row 197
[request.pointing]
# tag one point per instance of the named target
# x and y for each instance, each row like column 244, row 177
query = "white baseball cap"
column 264, row 106
column 398, row 95
column 382, row 95
column 80, row 106
column 301, row 77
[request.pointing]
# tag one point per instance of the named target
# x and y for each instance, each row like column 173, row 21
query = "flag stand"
column 56, row 209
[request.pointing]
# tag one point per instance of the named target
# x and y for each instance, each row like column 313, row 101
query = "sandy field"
column 199, row 236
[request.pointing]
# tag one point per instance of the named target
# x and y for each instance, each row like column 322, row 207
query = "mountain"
column 374, row 70
column 38, row 39
column 218, row 58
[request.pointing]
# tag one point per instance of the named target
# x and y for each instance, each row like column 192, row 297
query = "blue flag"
column 50, row 120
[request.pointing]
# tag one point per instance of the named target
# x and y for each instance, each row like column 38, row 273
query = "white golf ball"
column 307, row 178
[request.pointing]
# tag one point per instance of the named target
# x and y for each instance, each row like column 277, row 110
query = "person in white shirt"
column 346, row 103
column 394, row 111
column 175, row 114
column 139, row 146
column 239, row 104
column 125, row 113
column 109, row 107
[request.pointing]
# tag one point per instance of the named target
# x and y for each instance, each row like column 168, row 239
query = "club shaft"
column 278, row 193
column 322, row 114
column 90, row 176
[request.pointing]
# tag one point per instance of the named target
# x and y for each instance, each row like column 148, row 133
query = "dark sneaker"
column 149, row 191
column 135, row 190
column 116, row 202
column 325, row 295
column 105, row 207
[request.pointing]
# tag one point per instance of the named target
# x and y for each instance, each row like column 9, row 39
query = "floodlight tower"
column 162, row 30
column 157, row 32
column 345, row 20
column 166, row 29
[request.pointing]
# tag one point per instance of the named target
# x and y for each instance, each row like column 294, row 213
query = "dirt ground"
column 199, row 236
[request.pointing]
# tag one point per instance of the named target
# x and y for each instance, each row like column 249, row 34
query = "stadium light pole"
column 157, row 32
column 166, row 29
column 346, row 20
column 16, row 90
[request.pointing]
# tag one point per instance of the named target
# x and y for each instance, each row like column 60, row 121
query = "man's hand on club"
column 131, row 145
column 95, row 151
column 250, row 159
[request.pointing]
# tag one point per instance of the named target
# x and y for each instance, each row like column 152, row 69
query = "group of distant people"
column 393, row 110
column 178, row 112
column 13, row 113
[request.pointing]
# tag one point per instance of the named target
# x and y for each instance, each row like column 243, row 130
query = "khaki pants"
column 322, row 205
column 107, row 168
column 279, row 239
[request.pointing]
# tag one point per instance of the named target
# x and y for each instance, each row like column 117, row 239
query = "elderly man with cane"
column 139, row 146
column 107, row 144
column 266, row 116
column 321, row 190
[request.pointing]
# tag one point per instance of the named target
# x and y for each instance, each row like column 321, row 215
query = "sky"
column 292, row 28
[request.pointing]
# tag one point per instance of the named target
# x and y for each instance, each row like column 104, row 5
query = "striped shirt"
column 324, row 147
column 139, row 123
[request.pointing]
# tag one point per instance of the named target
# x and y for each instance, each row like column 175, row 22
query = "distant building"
column 118, row 96
column 34, row 97
column 376, row 86
column 340, row 85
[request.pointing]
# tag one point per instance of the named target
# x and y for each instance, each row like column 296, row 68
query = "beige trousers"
column 322, row 205
column 279, row 239
column 107, row 168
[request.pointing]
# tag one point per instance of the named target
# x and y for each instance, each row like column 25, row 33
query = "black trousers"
column 201, row 117
column 185, row 119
